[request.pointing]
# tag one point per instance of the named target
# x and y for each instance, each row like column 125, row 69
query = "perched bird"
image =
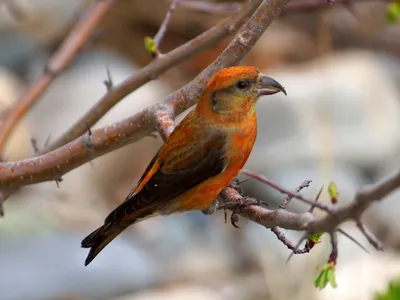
column 202, row 155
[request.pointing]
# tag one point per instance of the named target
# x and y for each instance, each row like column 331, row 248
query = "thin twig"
column 351, row 238
column 334, row 252
column 263, row 179
column 276, row 229
column 295, row 250
column 163, row 28
column 71, row 46
column 369, row 236
column 286, row 200
column 316, row 199
column 108, row 82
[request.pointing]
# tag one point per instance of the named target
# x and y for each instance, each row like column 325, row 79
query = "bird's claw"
column 234, row 219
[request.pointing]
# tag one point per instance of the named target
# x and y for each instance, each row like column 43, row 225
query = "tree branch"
column 163, row 28
column 54, row 164
column 156, row 68
column 71, row 46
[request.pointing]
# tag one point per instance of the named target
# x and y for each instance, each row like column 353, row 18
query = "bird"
column 203, row 154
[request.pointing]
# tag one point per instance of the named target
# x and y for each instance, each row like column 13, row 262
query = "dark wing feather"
column 178, row 172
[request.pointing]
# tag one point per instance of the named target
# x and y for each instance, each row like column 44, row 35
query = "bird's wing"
column 184, row 162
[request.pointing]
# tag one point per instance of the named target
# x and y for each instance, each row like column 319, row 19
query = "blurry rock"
column 176, row 293
column 332, row 116
column 44, row 20
column 16, row 51
column 87, row 193
column 51, row 267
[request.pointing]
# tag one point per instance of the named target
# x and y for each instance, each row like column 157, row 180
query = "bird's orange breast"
column 240, row 143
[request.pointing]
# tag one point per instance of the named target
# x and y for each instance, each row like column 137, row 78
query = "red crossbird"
column 203, row 154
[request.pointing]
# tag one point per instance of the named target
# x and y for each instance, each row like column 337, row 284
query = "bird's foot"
column 242, row 202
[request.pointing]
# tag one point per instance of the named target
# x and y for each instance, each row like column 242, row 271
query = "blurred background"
column 340, row 122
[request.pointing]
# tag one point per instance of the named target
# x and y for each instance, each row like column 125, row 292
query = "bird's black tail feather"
column 100, row 238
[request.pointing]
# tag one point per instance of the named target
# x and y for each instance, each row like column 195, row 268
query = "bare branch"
column 295, row 249
column 163, row 28
column 71, row 46
column 351, row 238
column 334, row 252
column 316, row 199
column 108, row 82
column 53, row 165
column 263, row 179
column 164, row 63
column 370, row 238
column 286, row 200
column 335, row 216
column 164, row 121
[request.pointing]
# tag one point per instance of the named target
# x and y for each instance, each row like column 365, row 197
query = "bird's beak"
column 269, row 86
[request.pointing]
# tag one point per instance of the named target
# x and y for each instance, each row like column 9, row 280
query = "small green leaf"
column 331, row 277
column 393, row 12
column 333, row 192
column 316, row 237
column 321, row 280
column 326, row 276
column 150, row 45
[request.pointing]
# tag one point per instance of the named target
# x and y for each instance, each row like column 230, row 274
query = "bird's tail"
column 100, row 238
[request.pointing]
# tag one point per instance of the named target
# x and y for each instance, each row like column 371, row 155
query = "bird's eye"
column 243, row 84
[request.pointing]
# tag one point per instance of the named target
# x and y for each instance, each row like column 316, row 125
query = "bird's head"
column 233, row 92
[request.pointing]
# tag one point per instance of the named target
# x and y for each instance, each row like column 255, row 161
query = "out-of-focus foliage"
column 393, row 12
column 392, row 292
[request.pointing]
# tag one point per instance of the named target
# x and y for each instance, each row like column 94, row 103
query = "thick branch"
column 79, row 35
column 58, row 162
column 336, row 215
column 242, row 43
column 156, row 68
